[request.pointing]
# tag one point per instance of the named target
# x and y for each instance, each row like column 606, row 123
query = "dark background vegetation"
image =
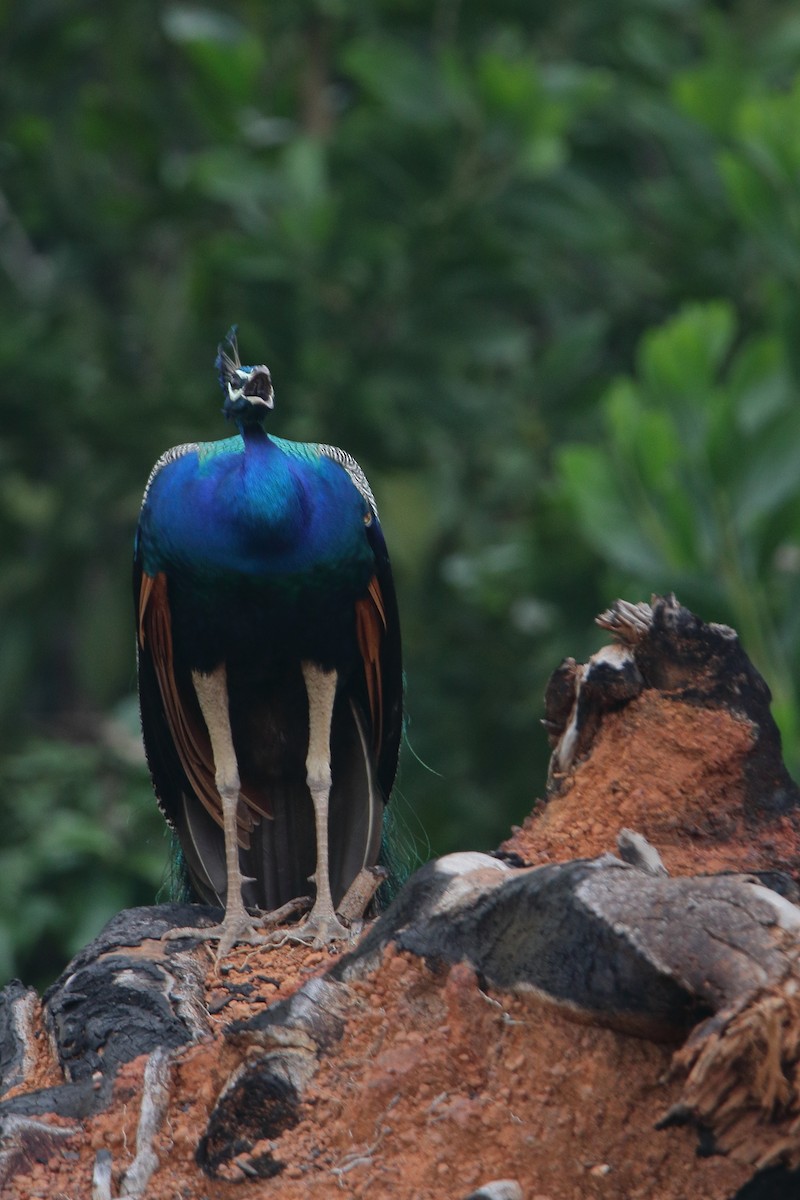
column 537, row 266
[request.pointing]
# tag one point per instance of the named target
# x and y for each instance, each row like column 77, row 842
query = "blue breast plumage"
column 266, row 545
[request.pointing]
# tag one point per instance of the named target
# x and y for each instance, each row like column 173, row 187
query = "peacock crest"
column 248, row 390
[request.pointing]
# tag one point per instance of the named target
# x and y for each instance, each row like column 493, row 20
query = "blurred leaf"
column 592, row 487
column 187, row 23
column 681, row 358
column 228, row 56
column 67, row 864
column 760, row 382
column 399, row 77
column 770, row 476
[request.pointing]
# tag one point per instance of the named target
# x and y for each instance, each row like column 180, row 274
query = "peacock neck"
column 272, row 491
column 254, row 435
column 260, row 450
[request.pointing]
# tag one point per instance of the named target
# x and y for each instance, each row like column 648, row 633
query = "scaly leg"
column 238, row 925
column 323, row 925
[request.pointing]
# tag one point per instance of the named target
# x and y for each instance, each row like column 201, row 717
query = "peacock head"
column 248, row 390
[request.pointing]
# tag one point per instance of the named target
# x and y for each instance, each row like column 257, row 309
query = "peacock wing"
column 378, row 635
column 176, row 742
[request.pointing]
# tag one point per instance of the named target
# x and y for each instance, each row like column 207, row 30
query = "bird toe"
column 234, row 929
column 321, row 929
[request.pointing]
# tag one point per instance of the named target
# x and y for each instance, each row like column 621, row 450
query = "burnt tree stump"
column 651, row 894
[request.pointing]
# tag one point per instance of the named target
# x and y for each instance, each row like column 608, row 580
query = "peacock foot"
column 324, row 926
column 235, row 928
column 320, row 928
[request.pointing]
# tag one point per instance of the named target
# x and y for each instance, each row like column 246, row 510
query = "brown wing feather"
column 181, row 709
column 370, row 631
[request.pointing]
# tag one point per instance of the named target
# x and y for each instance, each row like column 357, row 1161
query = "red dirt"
column 673, row 772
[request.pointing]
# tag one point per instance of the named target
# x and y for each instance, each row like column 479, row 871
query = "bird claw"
column 321, row 928
column 318, row 931
column 235, row 928
column 239, row 928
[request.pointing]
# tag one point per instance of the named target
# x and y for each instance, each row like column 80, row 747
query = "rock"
column 498, row 1189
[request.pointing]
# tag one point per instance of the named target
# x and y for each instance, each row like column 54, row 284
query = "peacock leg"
column 237, row 925
column 323, row 925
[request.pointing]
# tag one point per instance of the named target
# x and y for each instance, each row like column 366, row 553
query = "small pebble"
column 497, row 1189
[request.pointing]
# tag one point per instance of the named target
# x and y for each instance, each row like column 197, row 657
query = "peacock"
column 269, row 665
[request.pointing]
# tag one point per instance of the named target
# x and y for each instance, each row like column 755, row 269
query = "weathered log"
column 17, row 1010
column 127, row 993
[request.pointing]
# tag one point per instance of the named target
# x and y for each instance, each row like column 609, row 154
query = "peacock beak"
column 254, row 396
column 258, row 386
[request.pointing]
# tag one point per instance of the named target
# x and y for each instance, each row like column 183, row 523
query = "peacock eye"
column 368, row 518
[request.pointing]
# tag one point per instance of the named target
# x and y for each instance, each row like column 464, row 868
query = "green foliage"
column 80, row 841
column 694, row 484
column 535, row 266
